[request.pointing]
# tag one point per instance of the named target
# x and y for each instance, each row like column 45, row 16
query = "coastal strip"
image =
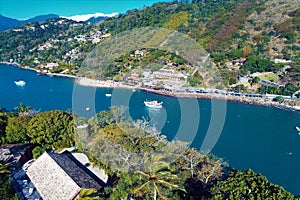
column 262, row 101
column 184, row 93
column 15, row 64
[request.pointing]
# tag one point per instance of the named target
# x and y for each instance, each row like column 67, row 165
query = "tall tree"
column 158, row 177
column 210, row 170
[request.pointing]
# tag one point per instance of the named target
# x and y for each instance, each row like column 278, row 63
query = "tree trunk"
column 155, row 194
column 192, row 168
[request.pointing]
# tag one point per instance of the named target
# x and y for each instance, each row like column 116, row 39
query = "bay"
column 261, row 138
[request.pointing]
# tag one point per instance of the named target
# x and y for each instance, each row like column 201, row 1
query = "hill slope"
column 231, row 30
column 242, row 36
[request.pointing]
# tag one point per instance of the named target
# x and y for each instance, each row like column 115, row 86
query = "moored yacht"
column 153, row 104
column 20, row 83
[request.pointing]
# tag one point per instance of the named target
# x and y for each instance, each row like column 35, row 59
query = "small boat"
column 87, row 108
column 298, row 128
column 41, row 73
column 108, row 95
column 153, row 104
column 20, row 83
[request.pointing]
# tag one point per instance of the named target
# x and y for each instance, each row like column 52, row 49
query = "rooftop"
column 10, row 152
column 61, row 176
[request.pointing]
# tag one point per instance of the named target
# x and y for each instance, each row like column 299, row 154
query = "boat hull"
column 20, row 83
column 153, row 104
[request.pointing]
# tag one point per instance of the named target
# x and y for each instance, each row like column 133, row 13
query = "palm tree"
column 22, row 109
column 158, row 175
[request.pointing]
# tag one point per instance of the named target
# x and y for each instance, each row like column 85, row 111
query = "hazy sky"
column 22, row 9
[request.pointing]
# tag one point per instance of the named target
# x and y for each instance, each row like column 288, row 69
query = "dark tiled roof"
column 13, row 152
column 82, row 176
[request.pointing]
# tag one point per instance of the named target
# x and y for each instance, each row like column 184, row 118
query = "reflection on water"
column 156, row 117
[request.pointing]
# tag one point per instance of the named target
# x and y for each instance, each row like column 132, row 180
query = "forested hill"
column 230, row 30
column 253, row 30
column 268, row 27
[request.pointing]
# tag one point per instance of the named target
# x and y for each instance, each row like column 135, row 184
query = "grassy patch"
column 269, row 77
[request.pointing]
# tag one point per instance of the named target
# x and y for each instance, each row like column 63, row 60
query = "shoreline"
column 35, row 70
column 242, row 100
column 83, row 81
column 259, row 101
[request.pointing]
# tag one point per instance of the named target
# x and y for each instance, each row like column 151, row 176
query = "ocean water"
column 247, row 136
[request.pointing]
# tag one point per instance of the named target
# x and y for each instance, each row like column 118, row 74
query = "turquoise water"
column 27, row 9
column 261, row 138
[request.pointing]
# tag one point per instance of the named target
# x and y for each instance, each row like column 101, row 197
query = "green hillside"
column 230, row 30
column 242, row 37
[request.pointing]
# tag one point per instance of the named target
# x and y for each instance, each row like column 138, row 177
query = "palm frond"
column 170, row 185
column 142, row 173
column 159, row 194
column 141, row 187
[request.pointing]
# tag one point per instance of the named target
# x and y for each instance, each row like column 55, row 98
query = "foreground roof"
column 61, row 176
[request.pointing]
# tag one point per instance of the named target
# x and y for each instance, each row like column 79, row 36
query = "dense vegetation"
column 226, row 29
column 125, row 64
column 141, row 163
column 248, row 185
column 52, row 129
column 36, row 44
column 258, row 31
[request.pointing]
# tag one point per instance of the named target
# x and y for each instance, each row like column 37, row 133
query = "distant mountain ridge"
column 95, row 20
column 7, row 23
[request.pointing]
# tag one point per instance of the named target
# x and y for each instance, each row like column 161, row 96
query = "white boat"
column 87, row 108
column 20, row 83
column 297, row 128
column 153, row 104
column 108, row 95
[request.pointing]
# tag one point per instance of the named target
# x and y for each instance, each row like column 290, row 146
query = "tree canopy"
column 248, row 185
column 52, row 129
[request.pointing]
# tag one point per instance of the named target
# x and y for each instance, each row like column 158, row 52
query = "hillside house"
column 57, row 176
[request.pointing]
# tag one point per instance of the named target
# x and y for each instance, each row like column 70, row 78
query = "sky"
column 24, row 9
